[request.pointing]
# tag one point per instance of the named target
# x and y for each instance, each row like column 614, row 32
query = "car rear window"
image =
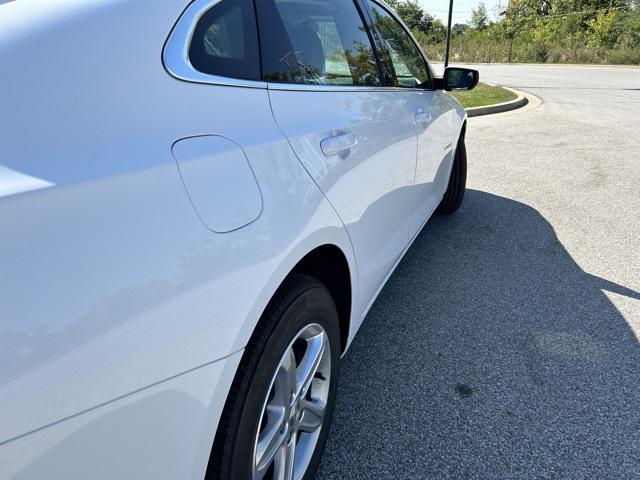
column 225, row 41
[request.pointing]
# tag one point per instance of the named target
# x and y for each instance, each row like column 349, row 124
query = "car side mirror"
column 458, row 79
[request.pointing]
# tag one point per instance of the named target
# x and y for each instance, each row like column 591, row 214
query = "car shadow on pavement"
column 490, row 354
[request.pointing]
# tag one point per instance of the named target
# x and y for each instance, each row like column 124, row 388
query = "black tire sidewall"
column 456, row 187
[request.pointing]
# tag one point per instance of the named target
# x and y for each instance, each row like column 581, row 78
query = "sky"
column 461, row 9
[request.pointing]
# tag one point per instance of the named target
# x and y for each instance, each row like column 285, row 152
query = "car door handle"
column 336, row 144
column 422, row 118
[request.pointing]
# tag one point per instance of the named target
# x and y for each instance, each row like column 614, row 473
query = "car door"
column 430, row 110
column 354, row 137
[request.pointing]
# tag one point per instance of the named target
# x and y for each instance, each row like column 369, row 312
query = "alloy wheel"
column 293, row 411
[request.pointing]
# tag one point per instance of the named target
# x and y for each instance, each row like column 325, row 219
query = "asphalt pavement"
column 506, row 344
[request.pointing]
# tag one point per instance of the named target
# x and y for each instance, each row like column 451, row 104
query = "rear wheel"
column 277, row 415
column 452, row 198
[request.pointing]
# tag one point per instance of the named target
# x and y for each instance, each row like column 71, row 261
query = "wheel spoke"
column 271, row 440
column 312, row 415
column 287, row 378
column 285, row 460
column 309, row 364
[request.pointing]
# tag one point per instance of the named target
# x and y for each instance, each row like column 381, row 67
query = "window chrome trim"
column 305, row 87
column 175, row 55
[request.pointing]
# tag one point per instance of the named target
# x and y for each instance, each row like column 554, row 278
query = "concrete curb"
column 520, row 101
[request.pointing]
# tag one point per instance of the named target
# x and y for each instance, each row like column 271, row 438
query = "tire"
column 452, row 198
column 302, row 307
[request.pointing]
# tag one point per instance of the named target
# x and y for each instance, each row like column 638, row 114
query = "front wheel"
column 277, row 416
column 452, row 198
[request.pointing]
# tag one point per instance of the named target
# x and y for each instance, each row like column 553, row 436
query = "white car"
column 199, row 203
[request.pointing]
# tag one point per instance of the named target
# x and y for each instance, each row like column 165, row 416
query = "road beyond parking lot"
column 506, row 345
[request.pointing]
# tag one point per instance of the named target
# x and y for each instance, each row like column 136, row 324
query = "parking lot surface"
column 506, row 344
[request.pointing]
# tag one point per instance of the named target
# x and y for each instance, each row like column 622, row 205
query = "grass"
column 484, row 94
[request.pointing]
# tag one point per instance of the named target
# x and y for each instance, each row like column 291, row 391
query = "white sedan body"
column 147, row 218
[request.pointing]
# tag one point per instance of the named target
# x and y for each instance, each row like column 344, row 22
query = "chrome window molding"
column 175, row 56
column 305, row 87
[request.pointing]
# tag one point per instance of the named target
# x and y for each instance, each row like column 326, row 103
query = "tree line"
column 540, row 31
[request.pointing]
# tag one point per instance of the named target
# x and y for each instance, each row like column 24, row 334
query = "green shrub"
column 487, row 50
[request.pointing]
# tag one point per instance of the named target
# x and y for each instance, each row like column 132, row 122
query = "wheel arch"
column 330, row 266
column 463, row 130
column 325, row 254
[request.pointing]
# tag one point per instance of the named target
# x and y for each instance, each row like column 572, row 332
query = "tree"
column 459, row 28
column 438, row 31
column 603, row 31
column 479, row 17
column 412, row 14
column 516, row 18
column 630, row 26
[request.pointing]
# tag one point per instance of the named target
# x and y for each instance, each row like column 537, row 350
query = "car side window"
column 315, row 43
column 225, row 41
column 408, row 63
